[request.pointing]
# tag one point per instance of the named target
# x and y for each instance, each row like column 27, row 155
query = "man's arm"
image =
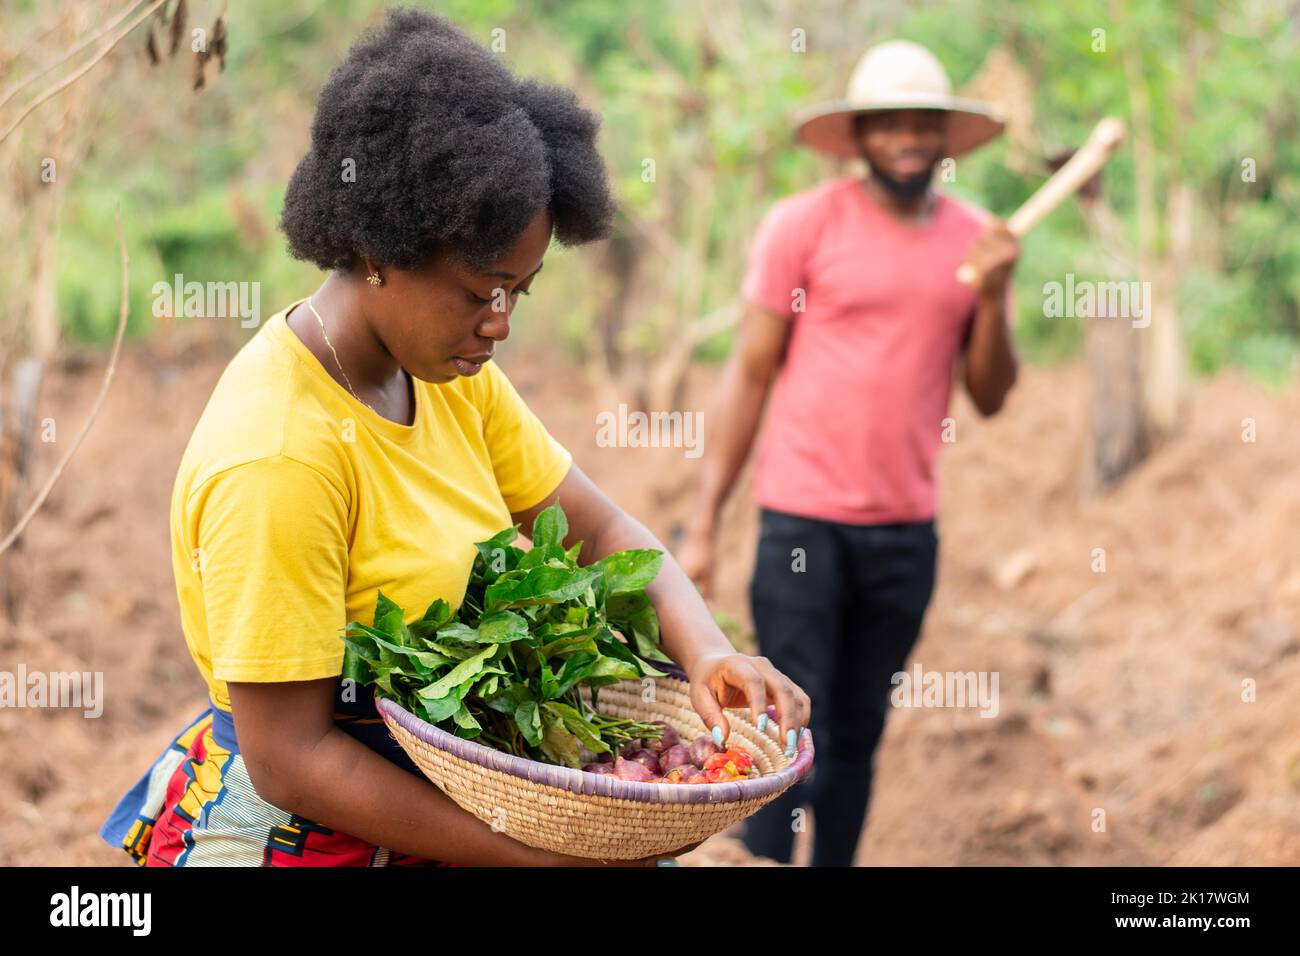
column 991, row 364
column 733, row 422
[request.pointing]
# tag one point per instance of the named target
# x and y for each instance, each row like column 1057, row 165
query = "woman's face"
column 445, row 319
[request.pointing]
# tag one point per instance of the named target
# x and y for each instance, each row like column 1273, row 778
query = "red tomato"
column 719, row 760
column 741, row 758
column 736, row 762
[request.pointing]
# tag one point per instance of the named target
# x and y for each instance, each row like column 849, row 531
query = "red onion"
column 632, row 770
column 675, row 756
column 702, row 748
column 649, row 759
column 668, row 740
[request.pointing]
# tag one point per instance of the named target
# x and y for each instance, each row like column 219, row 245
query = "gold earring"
column 374, row 279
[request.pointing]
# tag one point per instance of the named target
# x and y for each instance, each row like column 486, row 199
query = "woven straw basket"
column 598, row 816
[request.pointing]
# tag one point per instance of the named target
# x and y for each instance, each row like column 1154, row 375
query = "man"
column 853, row 308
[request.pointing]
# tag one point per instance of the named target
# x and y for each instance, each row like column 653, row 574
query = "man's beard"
column 905, row 190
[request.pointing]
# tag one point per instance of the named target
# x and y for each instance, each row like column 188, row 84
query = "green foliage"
column 200, row 239
column 1210, row 73
column 708, row 94
column 89, row 277
column 532, row 629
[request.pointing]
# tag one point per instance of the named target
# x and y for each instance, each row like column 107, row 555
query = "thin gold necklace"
column 321, row 321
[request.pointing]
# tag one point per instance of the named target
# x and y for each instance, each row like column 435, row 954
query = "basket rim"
column 581, row 783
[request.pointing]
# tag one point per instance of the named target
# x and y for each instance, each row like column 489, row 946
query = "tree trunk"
column 1120, row 437
column 19, row 426
column 1119, row 434
column 1163, row 370
column 1165, row 358
column 40, row 339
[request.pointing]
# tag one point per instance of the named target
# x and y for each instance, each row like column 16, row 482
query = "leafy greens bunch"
column 532, row 629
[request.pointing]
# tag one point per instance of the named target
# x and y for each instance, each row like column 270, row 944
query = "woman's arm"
column 301, row 762
column 719, row 676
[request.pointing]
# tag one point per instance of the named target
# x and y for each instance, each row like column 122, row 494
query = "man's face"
column 902, row 147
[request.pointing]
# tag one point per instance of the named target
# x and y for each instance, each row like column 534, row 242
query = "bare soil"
column 1122, row 735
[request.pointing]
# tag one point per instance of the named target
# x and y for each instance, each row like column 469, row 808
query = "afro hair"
column 450, row 152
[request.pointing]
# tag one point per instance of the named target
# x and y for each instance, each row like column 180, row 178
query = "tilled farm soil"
column 1125, row 733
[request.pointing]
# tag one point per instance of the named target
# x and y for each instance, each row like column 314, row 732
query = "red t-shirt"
column 856, row 417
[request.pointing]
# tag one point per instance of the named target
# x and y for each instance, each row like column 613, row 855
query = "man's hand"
column 993, row 256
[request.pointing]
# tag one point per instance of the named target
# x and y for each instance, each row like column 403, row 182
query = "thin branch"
column 663, row 240
column 23, row 84
column 81, row 71
column 94, row 411
column 716, row 322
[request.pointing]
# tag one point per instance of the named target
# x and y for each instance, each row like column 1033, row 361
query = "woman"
column 364, row 439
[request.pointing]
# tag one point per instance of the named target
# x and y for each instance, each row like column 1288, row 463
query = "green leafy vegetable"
column 533, row 628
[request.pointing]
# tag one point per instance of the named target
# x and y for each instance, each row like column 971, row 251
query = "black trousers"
column 837, row 608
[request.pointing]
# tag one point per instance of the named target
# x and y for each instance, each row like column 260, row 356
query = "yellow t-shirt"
column 295, row 503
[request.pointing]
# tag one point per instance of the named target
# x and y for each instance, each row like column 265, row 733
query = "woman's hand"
column 737, row 680
column 719, row 676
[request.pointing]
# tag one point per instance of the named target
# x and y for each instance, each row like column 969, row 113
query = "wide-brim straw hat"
column 897, row 75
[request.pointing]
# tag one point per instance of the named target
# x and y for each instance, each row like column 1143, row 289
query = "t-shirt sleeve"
column 272, row 552
column 778, row 257
column 527, row 460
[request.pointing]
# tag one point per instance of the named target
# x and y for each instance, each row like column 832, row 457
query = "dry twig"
column 81, row 71
column 107, row 28
column 44, row 493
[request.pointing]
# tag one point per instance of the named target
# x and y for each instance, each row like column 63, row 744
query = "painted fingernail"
column 668, row 863
column 762, row 722
column 717, row 736
column 789, row 742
